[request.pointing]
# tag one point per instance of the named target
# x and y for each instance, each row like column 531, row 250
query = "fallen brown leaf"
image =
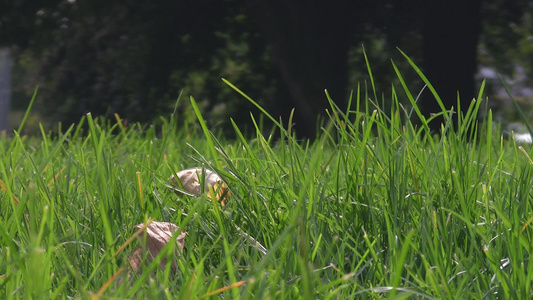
column 214, row 186
column 158, row 234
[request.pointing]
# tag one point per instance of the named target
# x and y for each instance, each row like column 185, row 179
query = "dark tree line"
column 133, row 57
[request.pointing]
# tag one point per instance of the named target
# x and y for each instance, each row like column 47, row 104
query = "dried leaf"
column 158, row 234
column 213, row 185
column 219, row 191
column 135, row 259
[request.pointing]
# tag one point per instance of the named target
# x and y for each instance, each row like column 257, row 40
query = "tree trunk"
column 451, row 34
column 5, row 88
column 310, row 44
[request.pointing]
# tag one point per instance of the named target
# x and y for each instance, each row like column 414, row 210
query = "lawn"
column 376, row 207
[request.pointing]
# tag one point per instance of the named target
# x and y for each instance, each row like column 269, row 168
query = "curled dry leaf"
column 190, row 179
column 158, row 234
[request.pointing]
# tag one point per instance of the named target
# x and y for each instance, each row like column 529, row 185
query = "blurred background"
column 133, row 57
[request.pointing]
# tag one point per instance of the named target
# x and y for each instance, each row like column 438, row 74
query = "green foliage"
column 376, row 207
column 506, row 46
column 507, row 30
column 133, row 57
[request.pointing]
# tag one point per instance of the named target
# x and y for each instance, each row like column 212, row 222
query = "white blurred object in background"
column 522, row 138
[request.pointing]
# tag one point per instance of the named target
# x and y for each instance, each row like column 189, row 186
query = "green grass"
column 375, row 208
